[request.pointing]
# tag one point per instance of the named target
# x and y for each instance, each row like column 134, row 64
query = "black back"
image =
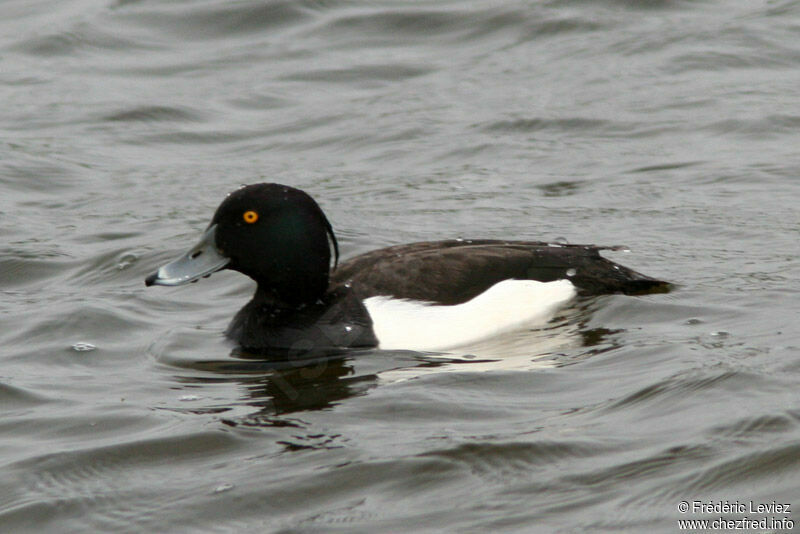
column 455, row 271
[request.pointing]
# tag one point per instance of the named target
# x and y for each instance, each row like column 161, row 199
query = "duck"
column 424, row 296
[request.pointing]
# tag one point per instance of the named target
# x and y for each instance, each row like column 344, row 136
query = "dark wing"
column 455, row 271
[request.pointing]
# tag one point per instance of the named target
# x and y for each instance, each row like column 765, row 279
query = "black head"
column 278, row 236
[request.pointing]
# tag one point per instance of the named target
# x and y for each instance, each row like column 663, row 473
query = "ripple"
column 22, row 272
column 678, row 387
column 507, row 461
column 116, row 481
column 155, row 113
column 717, row 60
column 36, row 335
column 560, row 124
column 80, row 38
column 666, row 166
column 454, row 26
column 400, row 25
column 658, row 465
column 770, row 126
column 745, row 469
column 561, row 188
column 196, row 138
column 215, row 20
column 760, row 428
column 363, row 74
column 13, row 397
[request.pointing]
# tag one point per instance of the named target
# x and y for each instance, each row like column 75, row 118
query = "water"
column 671, row 128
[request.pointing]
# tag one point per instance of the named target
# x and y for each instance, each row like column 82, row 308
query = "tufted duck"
column 420, row 296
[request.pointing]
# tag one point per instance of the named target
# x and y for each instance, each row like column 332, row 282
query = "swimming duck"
column 420, row 296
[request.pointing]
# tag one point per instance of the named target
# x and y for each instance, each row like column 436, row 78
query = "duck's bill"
column 201, row 260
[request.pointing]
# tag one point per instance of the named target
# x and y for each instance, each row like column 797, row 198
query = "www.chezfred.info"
column 735, row 515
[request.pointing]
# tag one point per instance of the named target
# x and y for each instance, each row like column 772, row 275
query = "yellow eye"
column 250, row 216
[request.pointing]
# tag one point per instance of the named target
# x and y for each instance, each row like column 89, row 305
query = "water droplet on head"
column 83, row 347
column 571, row 272
column 348, row 328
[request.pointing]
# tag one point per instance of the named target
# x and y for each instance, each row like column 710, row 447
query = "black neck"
column 293, row 293
column 337, row 319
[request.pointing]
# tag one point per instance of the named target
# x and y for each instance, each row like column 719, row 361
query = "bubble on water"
column 83, row 347
column 693, row 321
column 223, row 487
column 571, row 272
column 189, row 398
column 561, row 240
column 126, row 261
column 720, row 333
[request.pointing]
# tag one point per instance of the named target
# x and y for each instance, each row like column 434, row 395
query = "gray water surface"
column 670, row 127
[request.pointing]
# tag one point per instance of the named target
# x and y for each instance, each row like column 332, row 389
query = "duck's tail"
column 605, row 276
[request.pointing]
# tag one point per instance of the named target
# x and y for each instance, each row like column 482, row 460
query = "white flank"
column 504, row 307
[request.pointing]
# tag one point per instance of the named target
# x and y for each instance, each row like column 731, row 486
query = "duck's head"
column 275, row 234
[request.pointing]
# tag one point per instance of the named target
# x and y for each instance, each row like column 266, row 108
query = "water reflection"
column 312, row 387
column 279, row 388
column 266, row 392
